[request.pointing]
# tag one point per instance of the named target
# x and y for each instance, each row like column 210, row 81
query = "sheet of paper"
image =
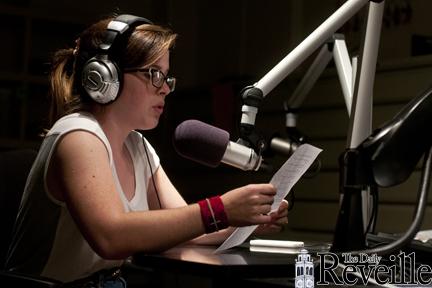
column 283, row 180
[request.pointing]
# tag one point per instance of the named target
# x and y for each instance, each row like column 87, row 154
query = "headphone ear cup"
column 100, row 79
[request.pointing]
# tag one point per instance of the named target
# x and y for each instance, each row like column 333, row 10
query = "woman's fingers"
column 283, row 206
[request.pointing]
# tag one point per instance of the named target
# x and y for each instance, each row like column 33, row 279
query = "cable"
column 151, row 172
column 372, row 219
column 376, row 206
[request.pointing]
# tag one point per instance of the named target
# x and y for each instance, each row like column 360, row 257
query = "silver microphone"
column 209, row 145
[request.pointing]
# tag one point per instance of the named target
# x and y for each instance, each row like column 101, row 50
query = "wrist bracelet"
column 205, row 215
column 219, row 212
column 213, row 214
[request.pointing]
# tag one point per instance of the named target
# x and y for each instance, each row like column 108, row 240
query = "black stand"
column 386, row 158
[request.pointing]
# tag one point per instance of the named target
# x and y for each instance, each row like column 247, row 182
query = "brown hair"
column 146, row 44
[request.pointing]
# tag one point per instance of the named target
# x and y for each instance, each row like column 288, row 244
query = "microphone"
column 209, row 145
column 288, row 145
column 283, row 145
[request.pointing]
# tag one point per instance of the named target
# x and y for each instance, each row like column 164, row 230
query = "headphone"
column 101, row 75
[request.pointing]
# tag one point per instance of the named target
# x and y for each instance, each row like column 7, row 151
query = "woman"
column 97, row 193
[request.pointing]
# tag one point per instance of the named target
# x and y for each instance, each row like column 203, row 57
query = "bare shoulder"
column 80, row 144
column 77, row 153
column 78, row 157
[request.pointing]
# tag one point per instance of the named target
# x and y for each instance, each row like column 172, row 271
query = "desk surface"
column 236, row 262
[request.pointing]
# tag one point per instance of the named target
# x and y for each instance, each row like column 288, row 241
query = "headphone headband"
column 101, row 74
column 121, row 26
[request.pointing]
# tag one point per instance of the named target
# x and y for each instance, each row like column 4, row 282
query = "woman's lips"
column 159, row 108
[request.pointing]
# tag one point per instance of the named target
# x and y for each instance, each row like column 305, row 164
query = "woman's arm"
column 171, row 198
column 81, row 175
column 168, row 195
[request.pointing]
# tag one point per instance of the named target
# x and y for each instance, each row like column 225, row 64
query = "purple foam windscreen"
column 200, row 142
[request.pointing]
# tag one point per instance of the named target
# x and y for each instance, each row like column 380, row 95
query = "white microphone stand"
column 357, row 83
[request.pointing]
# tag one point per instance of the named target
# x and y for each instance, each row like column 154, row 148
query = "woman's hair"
column 145, row 46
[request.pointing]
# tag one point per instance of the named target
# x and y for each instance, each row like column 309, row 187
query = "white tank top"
column 46, row 240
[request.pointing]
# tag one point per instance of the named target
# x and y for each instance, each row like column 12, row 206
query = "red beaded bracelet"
column 213, row 214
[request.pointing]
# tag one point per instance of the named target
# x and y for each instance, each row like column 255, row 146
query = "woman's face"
column 140, row 100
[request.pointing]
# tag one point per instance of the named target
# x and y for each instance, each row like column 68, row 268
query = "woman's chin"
column 150, row 125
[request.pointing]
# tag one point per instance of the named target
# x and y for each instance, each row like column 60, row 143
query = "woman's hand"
column 249, row 205
column 279, row 220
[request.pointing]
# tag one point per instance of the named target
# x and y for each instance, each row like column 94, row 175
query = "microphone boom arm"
column 358, row 88
column 288, row 64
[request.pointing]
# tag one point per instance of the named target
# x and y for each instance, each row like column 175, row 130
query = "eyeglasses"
column 157, row 77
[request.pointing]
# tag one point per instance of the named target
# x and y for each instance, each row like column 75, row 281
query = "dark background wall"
column 223, row 47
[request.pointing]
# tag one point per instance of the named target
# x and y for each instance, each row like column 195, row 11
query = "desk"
column 200, row 266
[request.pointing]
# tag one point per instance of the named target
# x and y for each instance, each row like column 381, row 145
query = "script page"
column 283, row 180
